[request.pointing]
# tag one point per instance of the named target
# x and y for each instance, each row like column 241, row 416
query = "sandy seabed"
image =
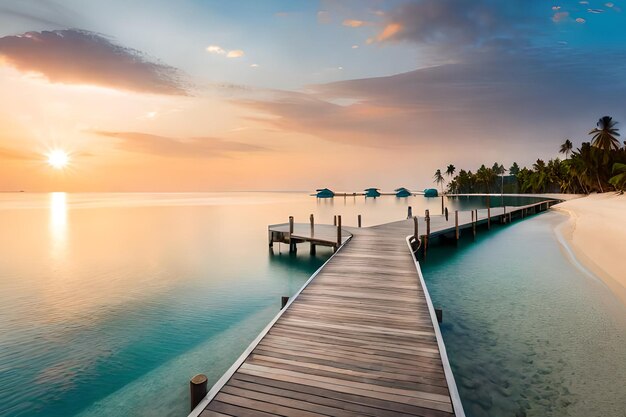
column 596, row 233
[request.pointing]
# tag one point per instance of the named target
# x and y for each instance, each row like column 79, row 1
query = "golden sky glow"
column 288, row 95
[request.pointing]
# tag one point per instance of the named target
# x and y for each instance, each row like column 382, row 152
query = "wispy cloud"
column 218, row 50
column 196, row 147
column 79, row 57
column 236, row 53
column 353, row 23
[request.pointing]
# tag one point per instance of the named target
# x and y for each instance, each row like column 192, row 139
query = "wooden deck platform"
column 360, row 338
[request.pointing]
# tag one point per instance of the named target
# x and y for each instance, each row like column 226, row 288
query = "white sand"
column 596, row 233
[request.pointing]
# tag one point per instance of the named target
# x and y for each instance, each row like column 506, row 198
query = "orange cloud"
column 198, row 147
column 354, row 23
column 80, row 57
column 389, row 32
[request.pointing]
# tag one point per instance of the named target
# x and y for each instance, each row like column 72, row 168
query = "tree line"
column 596, row 166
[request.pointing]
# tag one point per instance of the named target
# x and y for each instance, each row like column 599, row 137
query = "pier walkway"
column 360, row 338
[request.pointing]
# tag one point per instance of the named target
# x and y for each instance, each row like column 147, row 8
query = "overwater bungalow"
column 324, row 193
column 402, row 192
column 372, row 192
column 431, row 192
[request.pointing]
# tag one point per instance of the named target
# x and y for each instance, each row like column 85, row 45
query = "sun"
column 58, row 159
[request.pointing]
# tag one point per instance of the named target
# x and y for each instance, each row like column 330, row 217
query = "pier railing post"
column 335, row 220
column 415, row 228
column 338, row 231
column 312, row 245
column 359, row 220
column 292, row 244
column 456, row 225
column 427, row 231
column 197, row 389
column 446, row 213
column 474, row 221
column 409, row 213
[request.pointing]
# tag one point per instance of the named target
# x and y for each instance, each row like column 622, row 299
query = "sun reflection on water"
column 58, row 222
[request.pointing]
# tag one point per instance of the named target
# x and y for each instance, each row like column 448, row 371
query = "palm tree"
column 618, row 180
column 605, row 136
column 439, row 179
column 566, row 148
column 450, row 170
column 450, row 173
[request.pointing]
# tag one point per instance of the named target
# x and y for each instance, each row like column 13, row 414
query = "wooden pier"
column 361, row 337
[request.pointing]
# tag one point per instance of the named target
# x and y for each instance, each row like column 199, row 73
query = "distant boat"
column 402, row 192
column 324, row 193
column 431, row 192
column 372, row 192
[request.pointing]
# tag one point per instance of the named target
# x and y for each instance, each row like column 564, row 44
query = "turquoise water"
column 111, row 302
column 527, row 333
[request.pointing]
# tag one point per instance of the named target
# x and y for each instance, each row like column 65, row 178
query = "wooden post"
column 415, row 227
column 504, row 217
column 427, row 231
column 439, row 314
column 338, row 231
column 292, row 245
column 488, row 218
column 359, row 220
column 312, row 245
column 409, row 213
column 283, row 301
column 446, row 213
column 197, row 389
column 335, row 221
column 270, row 238
column 474, row 221
column 290, row 225
column 456, row 225
column 441, row 204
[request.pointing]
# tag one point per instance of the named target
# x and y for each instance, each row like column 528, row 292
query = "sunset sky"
column 296, row 95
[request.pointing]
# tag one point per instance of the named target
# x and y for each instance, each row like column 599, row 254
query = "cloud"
column 237, row 53
column 197, row 147
column 14, row 154
column 518, row 98
column 79, row 57
column 353, row 23
column 560, row 16
column 218, row 50
column 457, row 23
column 214, row 49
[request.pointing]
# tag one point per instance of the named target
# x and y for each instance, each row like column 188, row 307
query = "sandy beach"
column 596, row 232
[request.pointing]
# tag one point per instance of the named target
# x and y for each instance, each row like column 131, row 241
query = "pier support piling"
column 442, row 207
column 446, row 213
column 283, row 301
column 359, row 220
column 415, row 228
column 439, row 314
column 197, row 389
column 456, row 225
column 409, row 213
column 292, row 243
column 338, row 231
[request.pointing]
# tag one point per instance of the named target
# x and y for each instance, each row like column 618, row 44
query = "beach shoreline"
column 596, row 234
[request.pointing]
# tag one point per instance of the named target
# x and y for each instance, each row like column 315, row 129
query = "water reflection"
column 58, row 223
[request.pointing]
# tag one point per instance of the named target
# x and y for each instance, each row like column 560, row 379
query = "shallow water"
column 527, row 333
column 111, row 302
